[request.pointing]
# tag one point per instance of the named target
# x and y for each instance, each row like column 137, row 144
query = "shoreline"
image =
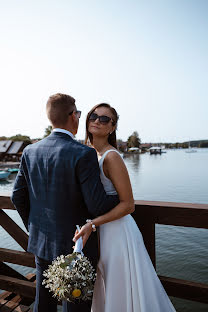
column 9, row 164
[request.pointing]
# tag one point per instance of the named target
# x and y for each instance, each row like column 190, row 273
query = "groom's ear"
column 74, row 117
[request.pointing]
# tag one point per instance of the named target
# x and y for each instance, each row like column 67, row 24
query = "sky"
column 148, row 59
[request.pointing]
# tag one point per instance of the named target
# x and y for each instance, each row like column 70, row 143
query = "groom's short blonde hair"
column 58, row 108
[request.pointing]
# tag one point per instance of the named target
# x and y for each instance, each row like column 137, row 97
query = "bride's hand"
column 85, row 232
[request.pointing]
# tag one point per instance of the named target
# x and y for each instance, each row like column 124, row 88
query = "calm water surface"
column 173, row 176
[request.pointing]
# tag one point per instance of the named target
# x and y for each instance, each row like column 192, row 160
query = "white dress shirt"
column 64, row 131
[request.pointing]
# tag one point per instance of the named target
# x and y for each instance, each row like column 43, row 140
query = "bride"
column 126, row 279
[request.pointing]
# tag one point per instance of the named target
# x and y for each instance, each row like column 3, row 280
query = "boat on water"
column 191, row 149
column 13, row 170
column 134, row 150
column 155, row 150
column 4, row 175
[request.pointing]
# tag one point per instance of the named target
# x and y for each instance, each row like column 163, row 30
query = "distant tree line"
column 17, row 137
column 133, row 141
column 198, row 143
column 203, row 144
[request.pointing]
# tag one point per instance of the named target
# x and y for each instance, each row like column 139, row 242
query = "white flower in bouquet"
column 71, row 277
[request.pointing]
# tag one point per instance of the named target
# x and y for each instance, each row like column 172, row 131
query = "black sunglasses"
column 102, row 119
column 77, row 112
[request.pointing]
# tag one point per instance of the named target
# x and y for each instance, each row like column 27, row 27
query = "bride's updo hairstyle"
column 112, row 136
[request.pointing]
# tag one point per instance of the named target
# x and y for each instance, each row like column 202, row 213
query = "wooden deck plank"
column 22, row 308
column 23, row 288
column 6, row 294
column 24, row 303
column 2, row 303
column 11, row 302
column 14, row 308
column 10, row 305
column 7, row 306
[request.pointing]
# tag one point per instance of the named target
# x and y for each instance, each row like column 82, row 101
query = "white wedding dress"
column 126, row 279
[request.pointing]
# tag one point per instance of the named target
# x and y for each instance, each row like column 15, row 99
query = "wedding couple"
column 62, row 183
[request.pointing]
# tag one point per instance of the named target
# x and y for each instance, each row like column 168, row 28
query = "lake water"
column 174, row 176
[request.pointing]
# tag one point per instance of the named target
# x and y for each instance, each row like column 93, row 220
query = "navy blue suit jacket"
column 57, row 187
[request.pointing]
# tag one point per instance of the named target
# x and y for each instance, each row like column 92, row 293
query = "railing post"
column 145, row 219
column 148, row 232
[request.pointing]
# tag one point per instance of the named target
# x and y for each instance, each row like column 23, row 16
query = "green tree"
column 167, row 145
column 134, row 140
column 3, row 138
column 204, row 144
column 20, row 137
column 48, row 131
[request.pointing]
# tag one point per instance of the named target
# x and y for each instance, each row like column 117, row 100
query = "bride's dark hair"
column 112, row 136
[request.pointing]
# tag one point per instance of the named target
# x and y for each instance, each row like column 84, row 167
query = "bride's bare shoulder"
column 113, row 158
column 113, row 155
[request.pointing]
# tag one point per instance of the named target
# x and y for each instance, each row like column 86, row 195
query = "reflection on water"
column 173, row 176
column 133, row 160
column 178, row 177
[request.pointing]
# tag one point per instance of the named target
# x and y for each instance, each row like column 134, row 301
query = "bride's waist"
column 127, row 218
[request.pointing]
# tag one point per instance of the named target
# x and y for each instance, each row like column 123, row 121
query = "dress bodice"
column 108, row 185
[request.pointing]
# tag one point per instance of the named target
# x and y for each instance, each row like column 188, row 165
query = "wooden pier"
column 9, row 301
column 20, row 290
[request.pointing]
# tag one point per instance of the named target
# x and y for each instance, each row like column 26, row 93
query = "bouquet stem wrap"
column 79, row 244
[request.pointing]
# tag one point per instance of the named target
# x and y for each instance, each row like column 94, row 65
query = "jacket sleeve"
column 88, row 173
column 20, row 194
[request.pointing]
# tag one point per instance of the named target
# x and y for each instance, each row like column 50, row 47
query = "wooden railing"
column 10, row 279
column 149, row 213
column 146, row 215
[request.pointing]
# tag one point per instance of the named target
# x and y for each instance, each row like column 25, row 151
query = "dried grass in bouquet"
column 71, row 277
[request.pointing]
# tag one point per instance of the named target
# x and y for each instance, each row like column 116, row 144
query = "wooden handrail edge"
column 163, row 204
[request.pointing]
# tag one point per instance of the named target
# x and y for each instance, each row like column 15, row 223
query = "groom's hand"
column 85, row 232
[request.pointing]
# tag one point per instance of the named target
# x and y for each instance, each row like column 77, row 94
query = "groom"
column 57, row 187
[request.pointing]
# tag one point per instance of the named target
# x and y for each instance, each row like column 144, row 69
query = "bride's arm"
column 115, row 169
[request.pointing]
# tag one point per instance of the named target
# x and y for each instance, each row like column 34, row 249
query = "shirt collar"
column 64, row 131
